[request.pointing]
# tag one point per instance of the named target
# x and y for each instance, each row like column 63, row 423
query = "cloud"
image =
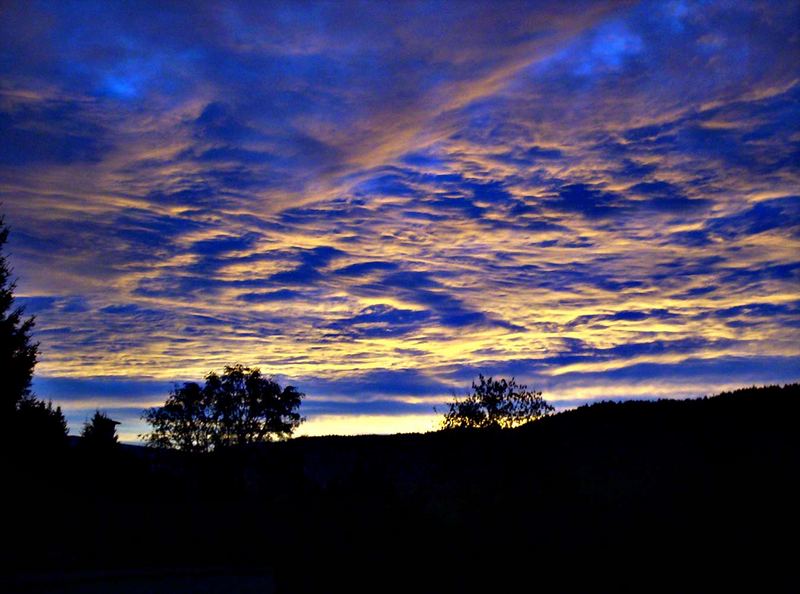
column 372, row 384
column 379, row 202
column 270, row 296
column 378, row 321
column 366, row 268
column 308, row 269
column 589, row 201
column 55, row 132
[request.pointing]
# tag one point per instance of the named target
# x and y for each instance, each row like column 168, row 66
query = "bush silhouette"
column 499, row 404
column 239, row 407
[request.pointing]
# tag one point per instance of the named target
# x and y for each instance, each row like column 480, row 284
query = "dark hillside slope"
column 634, row 480
column 604, row 494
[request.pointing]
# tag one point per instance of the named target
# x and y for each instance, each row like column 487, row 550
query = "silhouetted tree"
column 185, row 422
column 239, row 407
column 39, row 425
column 100, row 433
column 33, row 423
column 17, row 351
column 495, row 404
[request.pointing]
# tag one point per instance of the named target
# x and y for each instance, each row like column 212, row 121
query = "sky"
column 376, row 201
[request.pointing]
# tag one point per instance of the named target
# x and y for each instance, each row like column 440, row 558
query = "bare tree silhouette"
column 494, row 403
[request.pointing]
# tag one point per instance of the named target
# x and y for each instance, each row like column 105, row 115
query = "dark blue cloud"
column 58, row 133
column 682, row 346
column 365, row 268
column 379, row 321
column 529, row 156
column 631, row 169
column 770, row 272
column 721, row 370
column 46, row 305
column 223, row 245
column 697, row 292
column 76, row 389
column 753, row 311
column 126, row 309
column 227, row 154
column 270, row 296
column 385, row 185
column 370, row 407
column 218, row 122
column 624, row 316
column 493, row 191
column 420, row 288
column 576, row 352
column 309, row 269
column 739, row 145
column 665, row 196
column 590, row 201
column 694, row 238
column 143, row 230
column 384, row 382
column 33, row 305
column 776, row 213
column 408, row 279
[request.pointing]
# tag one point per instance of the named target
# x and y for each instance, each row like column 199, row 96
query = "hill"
column 609, row 493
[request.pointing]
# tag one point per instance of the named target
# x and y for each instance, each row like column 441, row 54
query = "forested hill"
column 649, row 487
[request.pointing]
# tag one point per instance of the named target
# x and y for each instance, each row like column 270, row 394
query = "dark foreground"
column 670, row 495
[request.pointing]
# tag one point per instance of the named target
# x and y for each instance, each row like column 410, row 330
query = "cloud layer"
column 375, row 202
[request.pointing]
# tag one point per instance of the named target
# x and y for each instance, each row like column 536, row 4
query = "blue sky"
column 377, row 201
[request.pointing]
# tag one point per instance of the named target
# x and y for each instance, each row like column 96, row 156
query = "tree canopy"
column 238, row 407
column 494, row 403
